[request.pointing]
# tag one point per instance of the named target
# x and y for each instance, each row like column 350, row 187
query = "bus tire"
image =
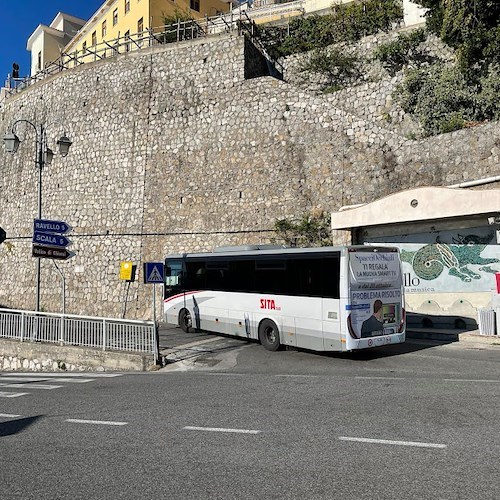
column 269, row 335
column 185, row 321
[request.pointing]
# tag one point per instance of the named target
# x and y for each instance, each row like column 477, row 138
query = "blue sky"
column 20, row 18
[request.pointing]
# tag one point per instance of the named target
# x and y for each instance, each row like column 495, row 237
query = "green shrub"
column 488, row 100
column 440, row 98
column 450, row 123
column 400, row 52
column 348, row 22
column 313, row 229
column 338, row 68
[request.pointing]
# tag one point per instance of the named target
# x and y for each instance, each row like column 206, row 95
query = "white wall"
column 413, row 13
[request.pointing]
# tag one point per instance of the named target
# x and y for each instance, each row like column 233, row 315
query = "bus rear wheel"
column 185, row 321
column 269, row 335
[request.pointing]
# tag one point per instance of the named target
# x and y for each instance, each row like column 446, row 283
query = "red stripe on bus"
column 183, row 294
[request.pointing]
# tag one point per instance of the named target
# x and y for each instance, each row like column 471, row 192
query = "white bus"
column 323, row 299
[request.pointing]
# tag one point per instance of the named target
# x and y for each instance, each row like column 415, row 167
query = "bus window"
column 196, row 275
column 173, row 277
column 331, row 277
column 242, row 276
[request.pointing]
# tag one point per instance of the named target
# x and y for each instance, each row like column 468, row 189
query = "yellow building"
column 123, row 18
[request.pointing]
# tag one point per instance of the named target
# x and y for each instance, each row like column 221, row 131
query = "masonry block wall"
column 175, row 151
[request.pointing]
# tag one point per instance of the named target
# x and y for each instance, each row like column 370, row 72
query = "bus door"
column 330, row 307
column 331, row 325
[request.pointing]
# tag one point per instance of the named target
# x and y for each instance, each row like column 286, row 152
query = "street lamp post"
column 43, row 157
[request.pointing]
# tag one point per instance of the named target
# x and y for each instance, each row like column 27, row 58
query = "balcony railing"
column 172, row 33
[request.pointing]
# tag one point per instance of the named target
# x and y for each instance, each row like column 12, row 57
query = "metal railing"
column 88, row 331
column 177, row 32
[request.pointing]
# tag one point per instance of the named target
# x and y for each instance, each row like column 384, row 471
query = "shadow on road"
column 171, row 337
column 16, row 426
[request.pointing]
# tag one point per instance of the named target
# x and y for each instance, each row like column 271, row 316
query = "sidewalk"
column 469, row 337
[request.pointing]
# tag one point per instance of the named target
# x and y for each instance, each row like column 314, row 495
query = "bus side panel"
column 308, row 323
column 287, row 331
column 238, row 323
column 239, row 314
column 213, row 318
column 331, row 325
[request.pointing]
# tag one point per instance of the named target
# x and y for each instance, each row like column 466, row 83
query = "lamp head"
column 49, row 154
column 64, row 143
column 11, row 142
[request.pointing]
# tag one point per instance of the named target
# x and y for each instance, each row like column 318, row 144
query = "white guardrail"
column 87, row 331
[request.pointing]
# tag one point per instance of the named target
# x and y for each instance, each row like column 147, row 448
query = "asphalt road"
column 236, row 421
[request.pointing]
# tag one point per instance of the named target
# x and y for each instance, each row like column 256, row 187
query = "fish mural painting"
column 461, row 259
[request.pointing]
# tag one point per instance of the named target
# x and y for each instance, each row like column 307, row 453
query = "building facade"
column 47, row 42
column 115, row 19
column 121, row 18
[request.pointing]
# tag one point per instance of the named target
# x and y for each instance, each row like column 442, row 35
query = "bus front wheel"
column 269, row 336
column 185, row 321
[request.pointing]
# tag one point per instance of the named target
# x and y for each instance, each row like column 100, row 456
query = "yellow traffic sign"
column 126, row 270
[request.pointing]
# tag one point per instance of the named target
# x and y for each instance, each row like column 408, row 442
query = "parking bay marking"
column 469, row 380
column 76, row 375
column 222, row 429
column 12, row 394
column 94, row 422
column 30, row 385
column 396, row 443
column 23, row 380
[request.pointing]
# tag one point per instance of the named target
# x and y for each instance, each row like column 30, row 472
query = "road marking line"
column 45, row 379
column 381, row 378
column 469, row 380
column 23, row 379
column 397, row 443
column 225, row 374
column 298, row 376
column 8, row 415
column 12, row 394
column 64, row 374
column 220, row 429
column 30, row 385
column 75, row 380
column 96, row 422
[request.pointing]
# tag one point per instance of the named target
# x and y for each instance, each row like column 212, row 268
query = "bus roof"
column 270, row 250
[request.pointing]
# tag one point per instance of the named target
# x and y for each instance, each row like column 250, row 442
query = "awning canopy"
column 418, row 205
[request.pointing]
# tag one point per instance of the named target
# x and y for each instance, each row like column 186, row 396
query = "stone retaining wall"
column 174, row 150
column 38, row 357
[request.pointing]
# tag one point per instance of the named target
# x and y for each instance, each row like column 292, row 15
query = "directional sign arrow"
column 57, row 253
column 51, row 226
column 55, row 240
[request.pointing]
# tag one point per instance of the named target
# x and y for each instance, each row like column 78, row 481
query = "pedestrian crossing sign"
column 154, row 272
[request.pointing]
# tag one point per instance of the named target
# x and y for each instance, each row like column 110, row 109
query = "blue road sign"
column 55, row 240
column 154, row 272
column 51, row 226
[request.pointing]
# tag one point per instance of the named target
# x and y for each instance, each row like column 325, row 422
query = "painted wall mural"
column 455, row 261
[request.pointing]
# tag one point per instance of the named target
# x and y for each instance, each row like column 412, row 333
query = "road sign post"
column 154, row 273
column 49, row 242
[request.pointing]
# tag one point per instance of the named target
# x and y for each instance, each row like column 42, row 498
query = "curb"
column 448, row 336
